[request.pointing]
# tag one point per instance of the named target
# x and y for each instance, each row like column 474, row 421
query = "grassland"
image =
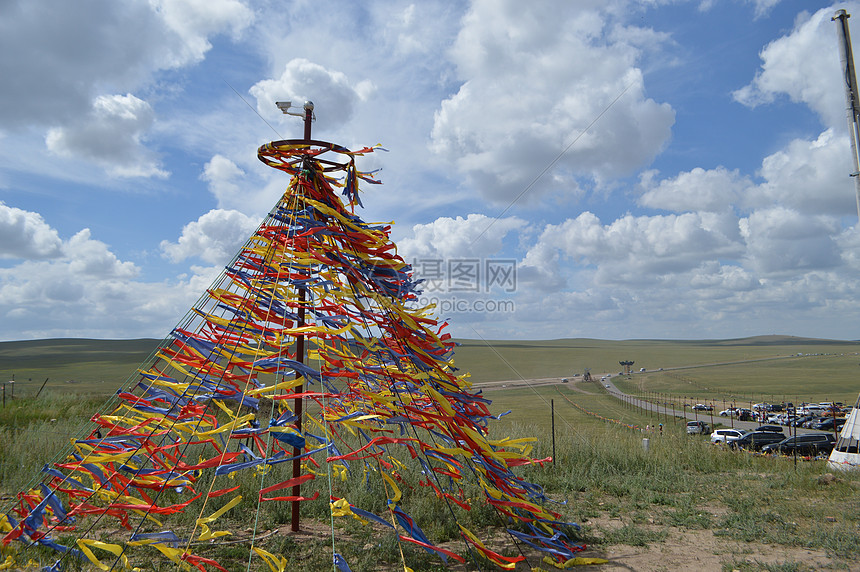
column 681, row 501
column 72, row 365
column 763, row 366
column 682, row 496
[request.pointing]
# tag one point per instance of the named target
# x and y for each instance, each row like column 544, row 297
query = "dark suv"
column 756, row 440
column 806, row 444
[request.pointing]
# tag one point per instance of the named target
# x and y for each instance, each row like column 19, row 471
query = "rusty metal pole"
column 297, row 464
column 300, row 357
column 849, row 78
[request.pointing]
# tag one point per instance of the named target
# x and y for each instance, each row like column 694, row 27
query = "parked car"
column 827, row 423
column 773, row 428
column 726, row 435
column 697, row 428
column 730, row 412
column 702, row 407
column 756, row 440
column 745, row 415
column 799, row 421
column 813, row 421
column 806, row 445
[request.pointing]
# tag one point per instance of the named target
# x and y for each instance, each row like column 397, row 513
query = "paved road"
column 706, row 416
column 658, row 409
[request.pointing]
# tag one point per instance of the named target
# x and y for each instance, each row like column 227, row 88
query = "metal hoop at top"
column 290, row 154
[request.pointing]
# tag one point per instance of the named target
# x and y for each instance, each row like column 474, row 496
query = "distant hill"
column 102, row 366
column 769, row 340
column 68, row 350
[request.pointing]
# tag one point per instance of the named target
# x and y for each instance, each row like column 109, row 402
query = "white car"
column 697, row 427
column 727, row 435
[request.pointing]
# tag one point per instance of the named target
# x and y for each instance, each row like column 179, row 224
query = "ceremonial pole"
column 300, row 357
column 308, row 116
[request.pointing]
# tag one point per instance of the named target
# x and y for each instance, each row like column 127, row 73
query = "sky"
column 601, row 168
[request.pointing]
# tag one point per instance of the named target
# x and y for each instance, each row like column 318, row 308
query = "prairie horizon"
column 89, row 365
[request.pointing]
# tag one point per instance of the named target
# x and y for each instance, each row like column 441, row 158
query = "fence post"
column 552, row 410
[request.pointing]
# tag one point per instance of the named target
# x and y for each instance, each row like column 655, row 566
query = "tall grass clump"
column 35, row 432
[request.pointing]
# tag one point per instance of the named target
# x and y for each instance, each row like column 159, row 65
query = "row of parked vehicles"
column 771, row 439
column 826, row 423
column 824, row 416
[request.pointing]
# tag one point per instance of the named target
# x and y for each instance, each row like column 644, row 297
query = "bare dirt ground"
column 682, row 551
column 700, row 551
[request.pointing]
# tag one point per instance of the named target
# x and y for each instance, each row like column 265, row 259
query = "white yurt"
column 846, row 455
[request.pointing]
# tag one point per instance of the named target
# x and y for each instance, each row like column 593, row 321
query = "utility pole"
column 849, row 77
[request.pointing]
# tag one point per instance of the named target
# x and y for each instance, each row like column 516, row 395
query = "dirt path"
column 700, row 551
column 682, row 551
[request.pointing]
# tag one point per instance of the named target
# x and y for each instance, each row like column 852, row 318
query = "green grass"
column 72, row 365
column 534, row 406
column 600, row 465
column 600, row 468
column 821, row 378
column 490, row 360
column 751, row 369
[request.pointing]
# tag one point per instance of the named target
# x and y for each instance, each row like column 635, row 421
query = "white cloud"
column 222, row 175
column 811, row 177
column 638, row 249
column 533, row 79
column 762, row 7
column 782, row 241
column 712, row 190
column 803, row 65
column 714, row 281
column 195, row 20
column 303, row 80
column 412, row 29
column 93, row 258
column 214, row 237
column 110, row 134
column 475, row 236
column 86, row 290
column 25, row 234
column 235, row 189
column 63, row 55
column 60, row 299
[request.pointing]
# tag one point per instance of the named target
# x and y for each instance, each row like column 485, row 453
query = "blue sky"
column 655, row 169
